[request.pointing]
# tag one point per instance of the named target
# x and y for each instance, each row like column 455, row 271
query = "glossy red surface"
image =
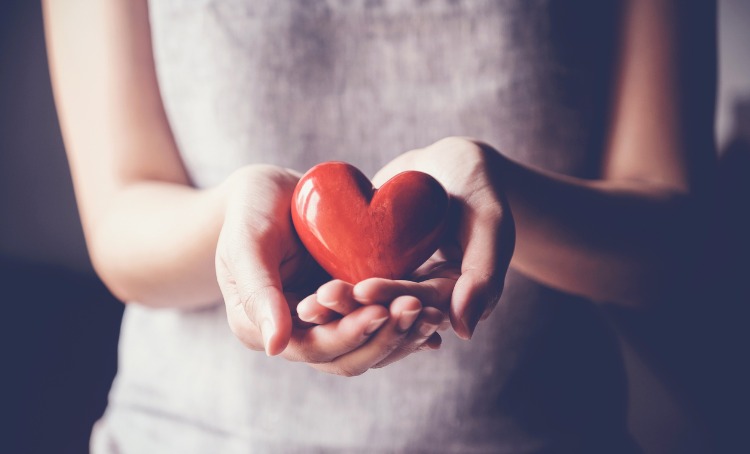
column 356, row 232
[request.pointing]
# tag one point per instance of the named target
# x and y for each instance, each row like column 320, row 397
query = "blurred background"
column 60, row 325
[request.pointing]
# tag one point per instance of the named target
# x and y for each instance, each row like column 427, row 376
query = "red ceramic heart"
column 355, row 231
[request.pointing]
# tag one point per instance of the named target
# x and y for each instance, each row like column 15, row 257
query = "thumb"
column 259, row 291
column 488, row 240
column 267, row 308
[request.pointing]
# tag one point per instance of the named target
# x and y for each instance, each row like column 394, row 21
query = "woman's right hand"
column 264, row 271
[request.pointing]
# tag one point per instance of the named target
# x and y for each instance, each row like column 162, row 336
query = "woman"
column 181, row 120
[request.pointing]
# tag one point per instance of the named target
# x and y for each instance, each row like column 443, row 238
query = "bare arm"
column 156, row 240
column 628, row 237
column 152, row 238
column 631, row 235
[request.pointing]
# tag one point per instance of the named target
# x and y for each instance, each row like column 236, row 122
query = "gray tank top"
column 294, row 83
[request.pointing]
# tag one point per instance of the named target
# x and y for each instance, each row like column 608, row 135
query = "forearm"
column 624, row 242
column 155, row 243
column 615, row 240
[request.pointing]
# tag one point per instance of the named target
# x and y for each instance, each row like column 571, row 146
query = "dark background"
column 60, row 325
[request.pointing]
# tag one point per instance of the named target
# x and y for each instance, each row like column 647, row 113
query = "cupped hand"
column 263, row 271
column 482, row 234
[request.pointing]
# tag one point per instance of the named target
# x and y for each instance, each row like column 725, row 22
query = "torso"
column 294, row 83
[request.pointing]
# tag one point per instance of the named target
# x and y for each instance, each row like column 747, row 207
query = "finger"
column 383, row 291
column 488, row 241
column 439, row 265
column 433, row 292
column 332, row 300
column 404, row 313
column 252, row 280
column 323, row 343
column 337, row 296
column 424, row 329
column 308, row 310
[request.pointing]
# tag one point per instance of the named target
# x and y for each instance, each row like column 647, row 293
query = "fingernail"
column 374, row 325
column 407, row 319
column 302, row 311
column 266, row 330
column 326, row 303
column 427, row 329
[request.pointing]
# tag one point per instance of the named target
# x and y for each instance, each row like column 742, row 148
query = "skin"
column 155, row 239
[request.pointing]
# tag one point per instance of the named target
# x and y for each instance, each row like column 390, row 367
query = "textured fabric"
column 294, row 83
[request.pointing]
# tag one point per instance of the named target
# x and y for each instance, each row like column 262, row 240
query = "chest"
column 294, row 83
